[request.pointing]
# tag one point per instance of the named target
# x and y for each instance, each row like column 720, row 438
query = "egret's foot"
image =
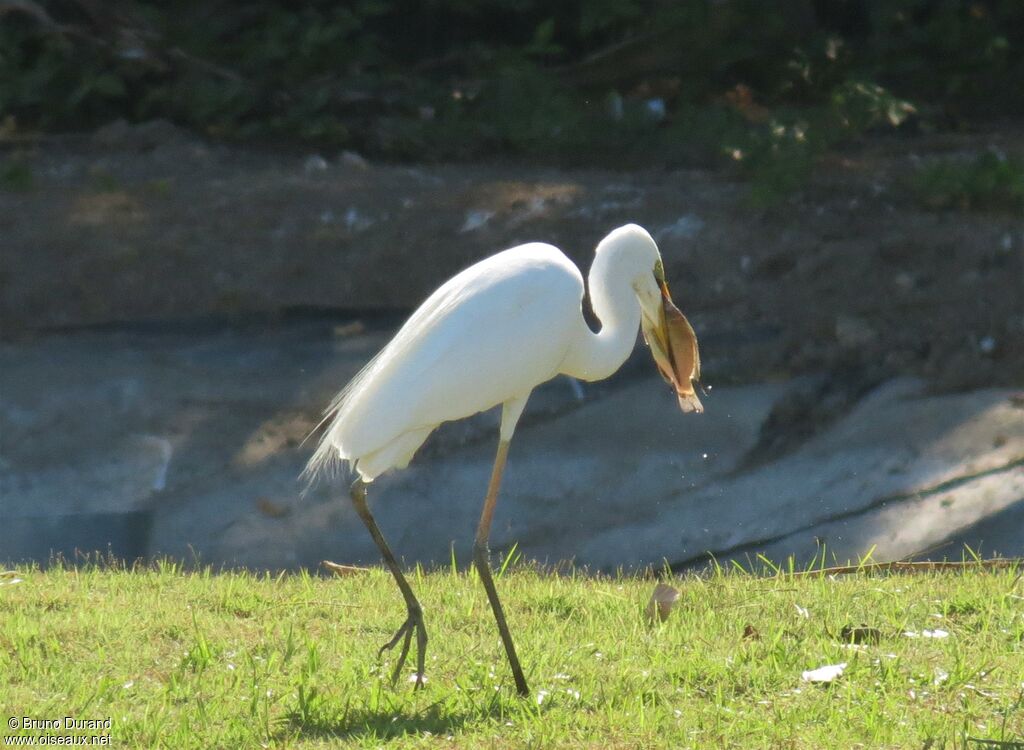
column 413, row 624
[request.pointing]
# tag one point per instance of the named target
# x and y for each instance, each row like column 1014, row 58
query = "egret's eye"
column 659, row 272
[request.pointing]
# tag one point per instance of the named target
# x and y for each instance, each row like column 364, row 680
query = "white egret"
column 486, row 337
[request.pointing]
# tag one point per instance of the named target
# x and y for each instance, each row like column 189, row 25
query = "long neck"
column 595, row 356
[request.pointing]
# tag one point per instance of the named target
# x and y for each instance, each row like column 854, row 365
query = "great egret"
column 488, row 336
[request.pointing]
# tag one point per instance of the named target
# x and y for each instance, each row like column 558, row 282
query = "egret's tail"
column 326, row 462
column 330, row 459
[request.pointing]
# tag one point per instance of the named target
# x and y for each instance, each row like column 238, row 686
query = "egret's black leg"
column 481, row 556
column 414, row 620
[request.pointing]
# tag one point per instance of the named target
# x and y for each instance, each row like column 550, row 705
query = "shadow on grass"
column 381, row 725
column 388, row 722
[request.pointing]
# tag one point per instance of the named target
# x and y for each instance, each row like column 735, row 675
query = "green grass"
column 182, row 659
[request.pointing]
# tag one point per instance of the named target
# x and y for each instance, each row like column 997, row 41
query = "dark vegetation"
column 989, row 181
column 763, row 87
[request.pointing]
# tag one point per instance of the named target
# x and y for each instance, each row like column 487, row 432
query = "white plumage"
column 489, row 334
column 486, row 337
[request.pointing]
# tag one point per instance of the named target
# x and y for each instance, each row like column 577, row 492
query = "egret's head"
column 671, row 338
column 631, row 252
column 634, row 254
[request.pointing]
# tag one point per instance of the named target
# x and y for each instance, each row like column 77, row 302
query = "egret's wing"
column 493, row 332
column 332, row 449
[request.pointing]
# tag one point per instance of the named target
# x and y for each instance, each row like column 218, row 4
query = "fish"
column 676, row 353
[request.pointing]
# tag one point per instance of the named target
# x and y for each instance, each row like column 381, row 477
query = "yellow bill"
column 674, row 347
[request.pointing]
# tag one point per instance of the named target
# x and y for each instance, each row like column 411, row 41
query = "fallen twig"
column 343, row 570
column 920, row 566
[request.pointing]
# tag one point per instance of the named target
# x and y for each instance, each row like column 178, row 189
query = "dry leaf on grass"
column 663, row 598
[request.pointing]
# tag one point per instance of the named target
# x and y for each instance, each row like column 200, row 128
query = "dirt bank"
column 852, row 275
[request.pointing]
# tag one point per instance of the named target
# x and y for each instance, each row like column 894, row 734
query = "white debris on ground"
column 827, row 673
